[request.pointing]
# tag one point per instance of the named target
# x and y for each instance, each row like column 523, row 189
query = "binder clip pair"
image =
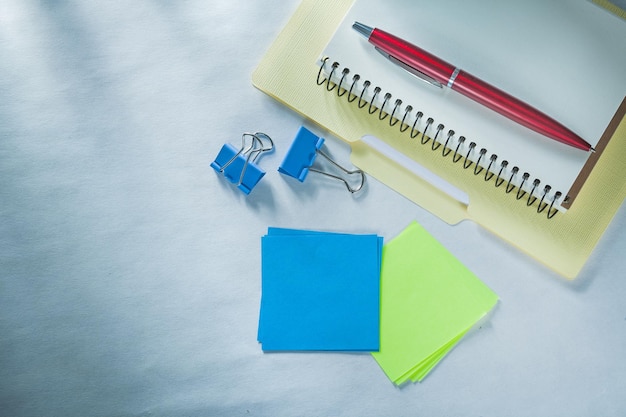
column 301, row 155
column 239, row 166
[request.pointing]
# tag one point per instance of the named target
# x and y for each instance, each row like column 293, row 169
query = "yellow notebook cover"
column 289, row 71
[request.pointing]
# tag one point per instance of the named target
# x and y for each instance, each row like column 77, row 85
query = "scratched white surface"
column 130, row 271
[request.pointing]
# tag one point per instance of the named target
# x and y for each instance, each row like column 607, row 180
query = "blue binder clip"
column 239, row 166
column 301, row 156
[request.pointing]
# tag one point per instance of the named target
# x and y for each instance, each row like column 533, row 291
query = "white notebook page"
column 566, row 58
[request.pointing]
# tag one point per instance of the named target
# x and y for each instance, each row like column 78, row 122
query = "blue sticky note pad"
column 320, row 291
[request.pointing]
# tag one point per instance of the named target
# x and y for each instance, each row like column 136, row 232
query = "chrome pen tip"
column 363, row 29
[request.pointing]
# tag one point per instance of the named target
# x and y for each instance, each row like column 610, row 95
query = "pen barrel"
column 516, row 110
column 414, row 56
column 475, row 89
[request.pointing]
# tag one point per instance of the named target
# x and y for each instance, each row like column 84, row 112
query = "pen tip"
column 592, row 149
column 363, row 29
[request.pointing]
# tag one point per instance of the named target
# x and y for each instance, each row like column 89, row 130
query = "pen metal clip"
column 420, row 75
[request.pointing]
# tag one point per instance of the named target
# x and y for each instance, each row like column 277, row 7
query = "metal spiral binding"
column 395, row 116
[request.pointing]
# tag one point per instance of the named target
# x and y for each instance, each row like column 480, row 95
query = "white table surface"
column 130, row 271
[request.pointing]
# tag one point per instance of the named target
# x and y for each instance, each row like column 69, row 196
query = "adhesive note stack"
column 320, row 291
column 429, row 301
column 409, row 302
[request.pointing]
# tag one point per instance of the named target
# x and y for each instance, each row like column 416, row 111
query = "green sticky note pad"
column 429, row 300
column 320, row 291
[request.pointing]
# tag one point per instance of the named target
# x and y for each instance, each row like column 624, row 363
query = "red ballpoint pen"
column 441, row 73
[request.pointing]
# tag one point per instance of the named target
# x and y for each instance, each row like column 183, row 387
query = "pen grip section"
column 514, row 109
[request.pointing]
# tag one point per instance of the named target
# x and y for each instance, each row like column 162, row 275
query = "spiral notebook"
column 503, row 203
column 519, row 47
